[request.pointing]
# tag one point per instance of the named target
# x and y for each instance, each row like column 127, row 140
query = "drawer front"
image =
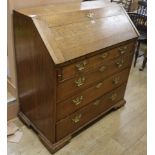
column 84, row 115
column 90, row 63
column 70, row 87
column 84, row 97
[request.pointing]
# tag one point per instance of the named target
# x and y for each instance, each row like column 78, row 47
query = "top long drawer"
column 89, row 64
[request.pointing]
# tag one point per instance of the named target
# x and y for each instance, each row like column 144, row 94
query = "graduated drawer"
column 88, row 64
column 70, row 87
column 84, row 115
column 84, row 97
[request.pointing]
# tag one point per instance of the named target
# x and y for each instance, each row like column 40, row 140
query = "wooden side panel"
column 35, row 75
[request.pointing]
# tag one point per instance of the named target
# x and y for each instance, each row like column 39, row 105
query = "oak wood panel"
column 34, row 73
column 99, row 139
column 46, row 45
column 55, row 20
column 101, row 87
column 66, row 108
column 71, row 70
column 88, row 112
column 89, row 36
column 63, row 7
column 82, row 81
column 18, row 4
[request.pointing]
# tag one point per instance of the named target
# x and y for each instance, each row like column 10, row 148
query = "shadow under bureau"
column 73, row 61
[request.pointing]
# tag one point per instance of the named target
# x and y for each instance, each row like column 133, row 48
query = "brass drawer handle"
column 102, row 69
column 78, row 100
column 79, row 82
column 97, row 102
column 113, row 96
column 77, row 118
column 104, row 55
column 120, row 63
column 116, row 80
column 99, row 85
column 123, row 49
column 90, row 15
column 81, row 66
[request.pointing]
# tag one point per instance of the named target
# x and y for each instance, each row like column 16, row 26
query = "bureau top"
column 63, row 7
column 76, row 29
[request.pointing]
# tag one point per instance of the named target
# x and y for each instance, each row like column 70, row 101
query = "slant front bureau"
column 73, row 61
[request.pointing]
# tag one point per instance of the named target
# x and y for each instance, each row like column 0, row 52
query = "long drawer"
column 74, row 103
column 84, row 115
column 89, row 63
column 70, row 87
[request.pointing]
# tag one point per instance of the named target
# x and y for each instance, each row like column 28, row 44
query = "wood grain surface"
column 49, row 46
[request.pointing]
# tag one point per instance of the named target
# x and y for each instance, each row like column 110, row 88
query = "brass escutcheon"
column 116, row 80
column 97, row 102
column 120, row 63
column 77, row 118
column 78, row 100
column 104, row 55
column 123, row 49
column 90, row 15
column 81, row 65
column 99, row 85
column 113, row 96
column 79, row 82
column 102, row 69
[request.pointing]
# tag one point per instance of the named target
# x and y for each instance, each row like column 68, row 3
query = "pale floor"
column 10, row 97
column 122, row 132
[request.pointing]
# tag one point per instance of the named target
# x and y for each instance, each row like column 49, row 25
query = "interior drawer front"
column 88, row 64
column 84, row 97
column 72, row 86
column 84, row 115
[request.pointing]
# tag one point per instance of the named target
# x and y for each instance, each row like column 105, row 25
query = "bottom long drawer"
column 84, row 115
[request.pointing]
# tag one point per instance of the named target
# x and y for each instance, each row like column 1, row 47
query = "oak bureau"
column 73, row 61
